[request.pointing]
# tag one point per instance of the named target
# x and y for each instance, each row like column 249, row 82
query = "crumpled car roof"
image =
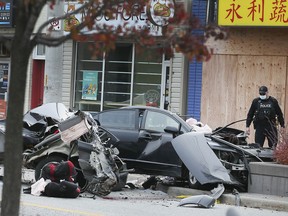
column 56, row 111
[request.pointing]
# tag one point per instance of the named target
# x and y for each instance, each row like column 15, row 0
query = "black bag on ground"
column 64, row 189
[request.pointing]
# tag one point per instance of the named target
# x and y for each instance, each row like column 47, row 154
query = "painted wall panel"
column 195, row 70
column 67, row 73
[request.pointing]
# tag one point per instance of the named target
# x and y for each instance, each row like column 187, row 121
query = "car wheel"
column 193, row 182
column 43, row 162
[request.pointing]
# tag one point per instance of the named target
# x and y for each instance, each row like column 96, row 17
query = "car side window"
column 158, row 121
column 123, row 119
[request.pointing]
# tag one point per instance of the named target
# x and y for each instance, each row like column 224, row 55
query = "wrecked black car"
column 158, row 142
column 52, row 134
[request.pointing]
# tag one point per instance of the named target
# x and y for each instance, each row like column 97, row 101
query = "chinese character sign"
column 253, row 12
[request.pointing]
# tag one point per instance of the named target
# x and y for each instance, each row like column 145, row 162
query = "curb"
column 262, row 201
column 251, row 200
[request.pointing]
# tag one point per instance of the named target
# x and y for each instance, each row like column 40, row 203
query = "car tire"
column 193, row 182
column 44, row 161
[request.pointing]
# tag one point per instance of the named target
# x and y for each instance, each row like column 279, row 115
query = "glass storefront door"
column 117, row 77
column 125, row 77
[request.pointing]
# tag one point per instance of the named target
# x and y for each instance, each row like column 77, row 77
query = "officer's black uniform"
column 263, row 113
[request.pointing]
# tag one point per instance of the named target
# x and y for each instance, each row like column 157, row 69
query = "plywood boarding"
column 231, row 82
column 252, row 41
column 218, row 90
column 286, row 96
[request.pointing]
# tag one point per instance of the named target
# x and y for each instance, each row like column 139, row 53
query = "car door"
column 156, row 153
column 143, row 143
column 124, row 124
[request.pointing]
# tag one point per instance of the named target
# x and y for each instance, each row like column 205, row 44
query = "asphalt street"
column 251, row 200
column 129, row 202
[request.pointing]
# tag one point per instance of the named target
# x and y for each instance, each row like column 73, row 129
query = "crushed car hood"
column 199, row 158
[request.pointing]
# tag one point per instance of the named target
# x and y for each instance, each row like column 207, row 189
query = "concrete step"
column 27, row 175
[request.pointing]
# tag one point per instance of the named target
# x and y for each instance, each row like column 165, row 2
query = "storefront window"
column 88, row 80
column 125, row 77
column 118, row 71
column 147, row 81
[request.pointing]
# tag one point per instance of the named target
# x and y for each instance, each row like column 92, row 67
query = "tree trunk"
column 20, row 53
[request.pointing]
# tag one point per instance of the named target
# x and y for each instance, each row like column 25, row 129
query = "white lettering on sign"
column 122, row 15
column 149, row 18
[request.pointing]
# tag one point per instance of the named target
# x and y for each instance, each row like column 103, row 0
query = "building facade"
column 254, row 54
column 125, row 77
column 69, row 74
column 216, row 92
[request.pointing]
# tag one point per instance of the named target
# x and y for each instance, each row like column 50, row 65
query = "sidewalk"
column 251, row 200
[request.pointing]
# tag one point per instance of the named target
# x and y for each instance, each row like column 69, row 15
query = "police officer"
column 264, row 112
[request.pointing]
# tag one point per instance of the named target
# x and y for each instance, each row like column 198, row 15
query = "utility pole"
column 54, row 59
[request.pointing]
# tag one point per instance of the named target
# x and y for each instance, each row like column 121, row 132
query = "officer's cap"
column 263, row 90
